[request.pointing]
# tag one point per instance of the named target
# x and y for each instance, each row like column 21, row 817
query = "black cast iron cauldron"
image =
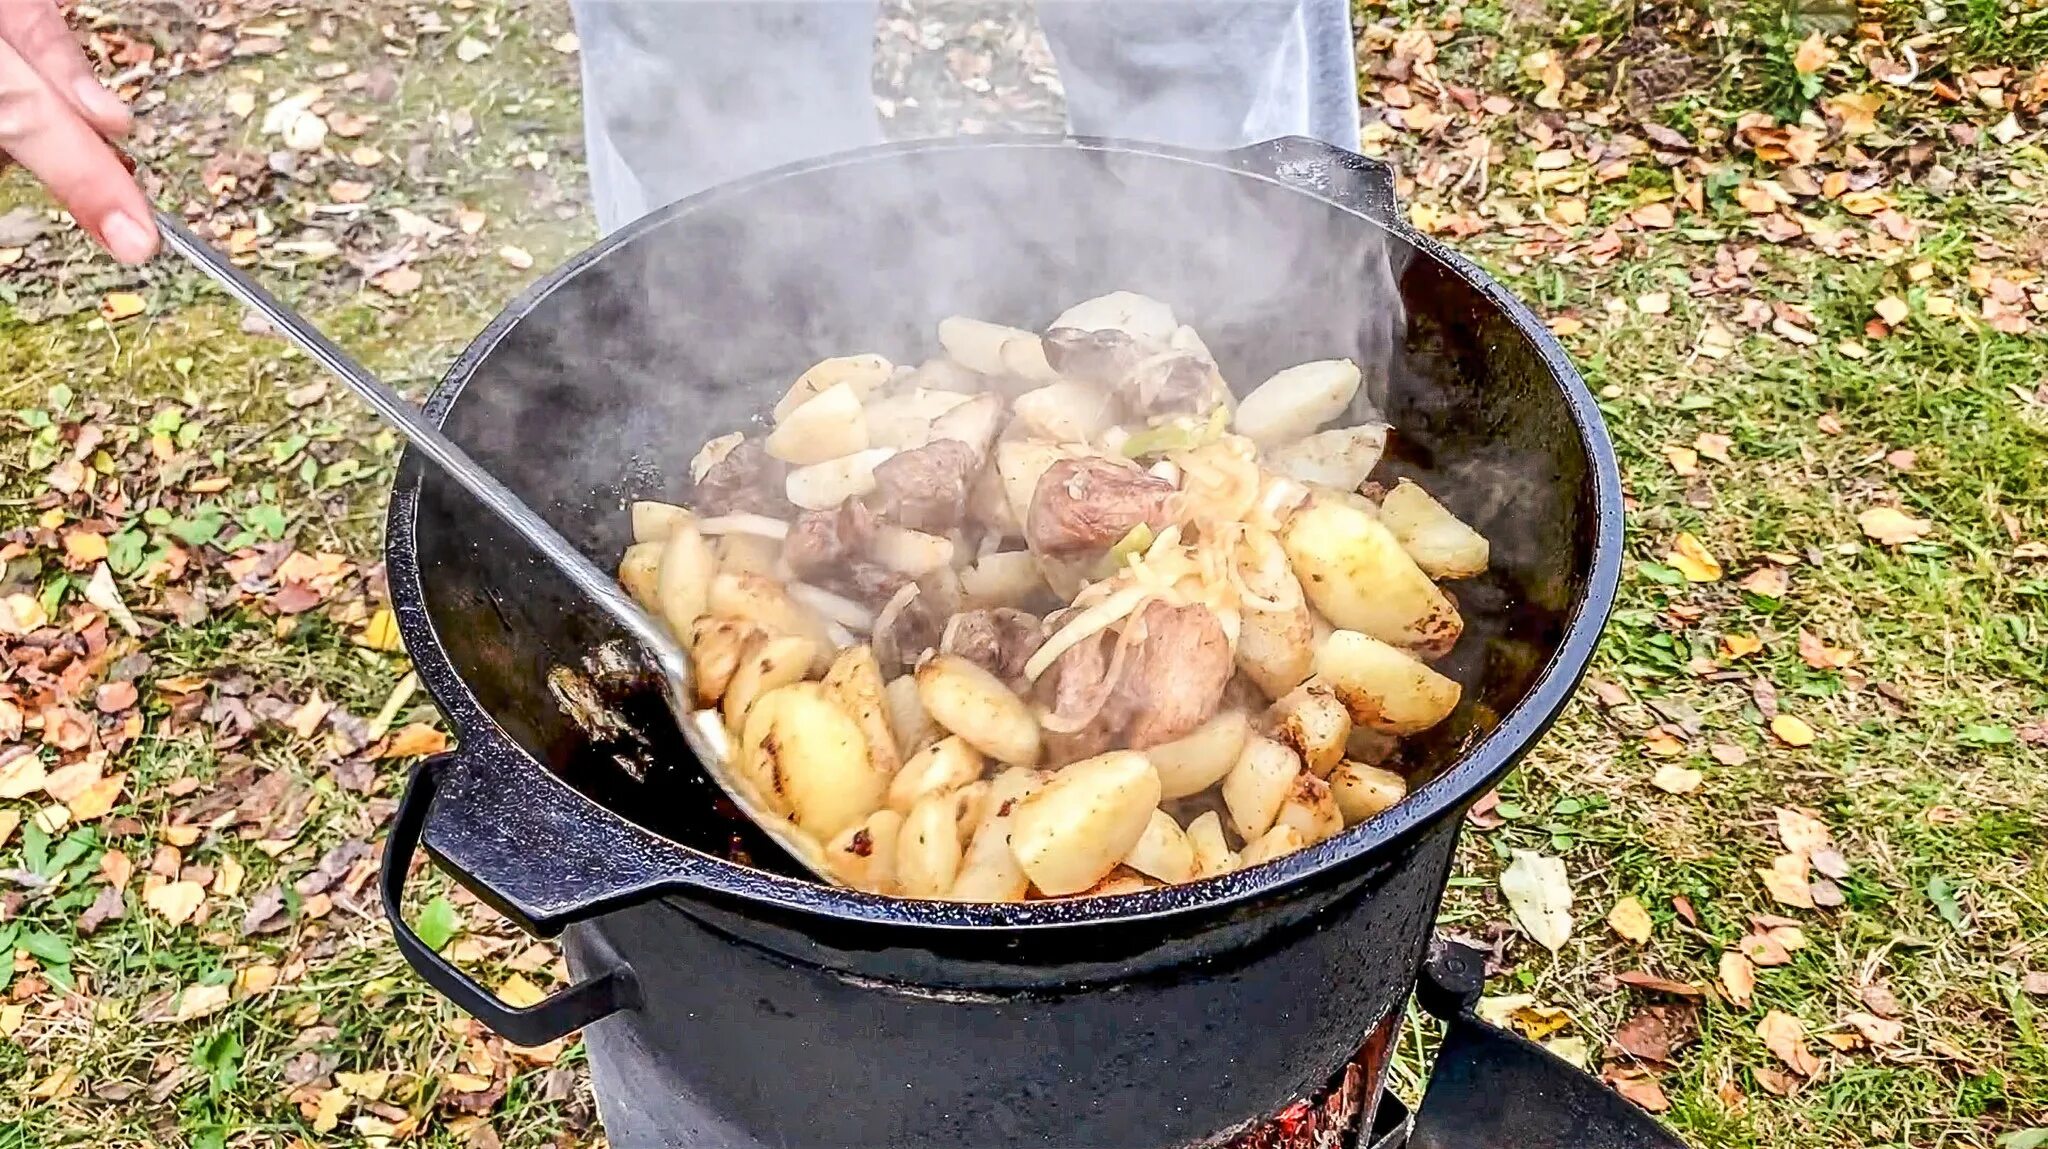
column 735, row 1006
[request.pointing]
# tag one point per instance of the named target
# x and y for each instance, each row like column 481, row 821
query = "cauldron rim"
column 1444, row 796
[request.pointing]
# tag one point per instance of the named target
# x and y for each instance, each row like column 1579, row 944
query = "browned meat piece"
column 926, row 489
column 1000, row 641
column 904, row 640
column 1084, row 505
column 1105, row 358
column 1075, row 690
column 747, row 480
column 822, row 544
column 1173, row 679
column 871, row 584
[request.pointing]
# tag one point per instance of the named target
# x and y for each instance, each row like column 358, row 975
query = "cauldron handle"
column 537, row 1024
column 1345, row 178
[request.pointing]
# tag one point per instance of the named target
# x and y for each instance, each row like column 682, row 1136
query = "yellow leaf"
column 415, row 741
column 1791, row 731
column 9, row 819
column 175, row 901
column 464, row 1083
column 1740, row 645
column 519, row 993
column 1738, row 978
column 1892, row 310
column 328, row 1109
column 1892, row 526
column 96, row 800
column 1812, row 55
column 1786, row 881
column 84, row 546
column 1858, row 111
column 369, row 1085
column 1693, row 560
column 1675, row 779
column 22, row 777
column 254, row 980
column 1662, row 745
column 381, row 632
column 1785, row 1036
column 1629, row 919
column 1683, row 460
column 227, row 878
column 401, row 280
column 119, row 305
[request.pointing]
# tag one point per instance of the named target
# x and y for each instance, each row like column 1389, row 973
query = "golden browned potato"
column 971, row 702
column 990, row 871
column 683, row 581
column 1312, row 723
column 1213, row 855
column 1311, row 809
column 640, row 574
column 1384, row 688
column 1440, row 544
column 806, row 757
column 1362, row 791
column 859, row 374
column 1357, row 575
column 1200, row 758
column 944, row 766
column 1163, row 851
column 855, row 680
column 716, row 647
column 1274, row 843
column 654, row 522
column 1257, row 786
column 864, row 855
column 775, row 660
column 928, row 848
column 763, row 601
column 1079, row 825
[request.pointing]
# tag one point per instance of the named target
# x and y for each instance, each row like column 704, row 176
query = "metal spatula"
column 656, row 651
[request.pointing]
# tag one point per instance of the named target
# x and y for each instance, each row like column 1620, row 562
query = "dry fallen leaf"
column 1684, row 460
column 1767, row 582
column 1692, row 558
column 1740, row 645
column 196, row 1001
column 566, row 43
column 399, row 281
column 1813, row 54
column 519, row 993
column 1738, row 978
column 1892, row 526
column 1893, row 310
column 469, row 220
column 1785, row 1036
column 1877, row 1030
column 119, row 305
column 1629, row 919
column 1786, row 881
column 1791, row 731
column 1802, row 833
column 175, row 901
column 517, row 257
column 1713, row 446
column 1675, row 779
column 414, row 741
column 97, row 800
column 1640, row 1088
column 470, row 49
column 23, row 776
column 1540, row 893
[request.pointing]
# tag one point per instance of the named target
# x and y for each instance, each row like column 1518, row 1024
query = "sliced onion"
column 1104, row 614
column 885, row 620
column 744, row 523
column 843, row 611
column 1091, row 707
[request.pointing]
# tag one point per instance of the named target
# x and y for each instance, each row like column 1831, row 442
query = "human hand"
column 56, row 119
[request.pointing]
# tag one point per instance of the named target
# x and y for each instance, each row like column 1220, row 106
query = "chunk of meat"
column 926, row 489
column 900, row 641
column 822, row 544
column 1000, row 640
column 1075, row 691
column 1173, row 678
column 870, row 584
column 746, row 481
column 1083, row 505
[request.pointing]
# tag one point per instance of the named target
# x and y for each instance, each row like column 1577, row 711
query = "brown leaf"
column 2035, row 982
column 1802, row 833
column 1639, row 979
column 175, row 902
column 1785, row 1036
column 1786, row 881
column 116, row 868
column 1675, row 779
column 1629, row 919
column 1765, row 950
column 97, row 800
column 1820, row 656
column 1654, row 1031
column 266, row 913
column 400, row 281
column 1767, row 582
column 1641, row 1089
column 1776, row 1080
column 1738, row 978
column 108, row 906
column 333, row 865
column 68, row 782
column 114, row 697
column 1877, row 1030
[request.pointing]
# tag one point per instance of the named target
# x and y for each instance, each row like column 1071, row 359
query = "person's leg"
column 1206, row 73
column 680, row 95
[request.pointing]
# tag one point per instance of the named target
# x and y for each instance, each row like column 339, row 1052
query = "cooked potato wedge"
column 640, row 574
column 683, row 582
column 860, row 374
column 654, row 522
column 974, row 423
column 993, row 349
column 1384, row 688
column 1362, row 791
column 1213, row 855
column 1078, row 826
column 1200, row 758
column 904, row 420
column 806, row 756
column 1340, row 458
column 1021, row 463
column 1294, row 402
column 1066, row 412
column 748, row 553
column 774, row 660
column 855, row 680
column 1442, row 545
column 1163, row 850
column 716, row 647
column 928, row 850
column 864, row 855
column 942, row 767
column 971, row 702
column 1122, row 880
column 1141, row 317
column 1355, row 572
column 989, row 871
column 912, row 727
column 828, row 425
column 914, row 553
column 1007, row 578
column 1258, row 784
column 1274, row 843
column 763, row 601
column 1312, row 723
column 822, row 486
column 1311, row 809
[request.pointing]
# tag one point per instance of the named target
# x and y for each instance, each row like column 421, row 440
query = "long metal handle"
column 401, row 414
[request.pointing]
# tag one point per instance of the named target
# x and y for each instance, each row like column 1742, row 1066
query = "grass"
column 1922, row 768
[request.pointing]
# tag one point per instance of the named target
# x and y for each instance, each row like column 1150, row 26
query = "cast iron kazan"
column 733, row 1006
